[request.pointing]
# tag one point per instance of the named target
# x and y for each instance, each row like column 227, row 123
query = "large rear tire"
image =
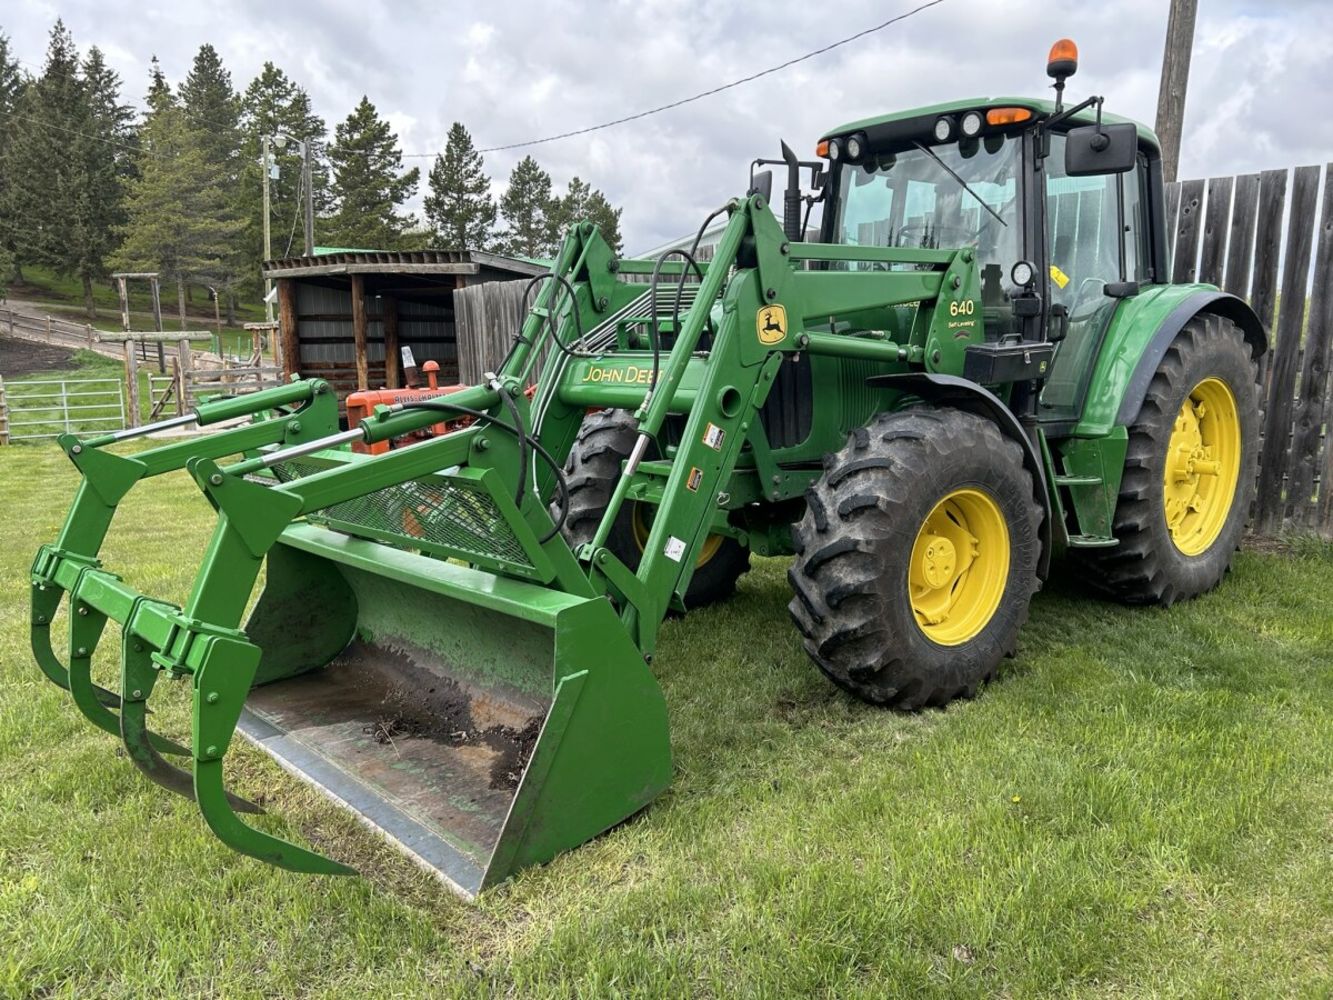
column 916, row 558
column 604, row 442
column 1189, row 470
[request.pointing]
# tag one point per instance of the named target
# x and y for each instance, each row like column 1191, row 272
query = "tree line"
column 88, row 185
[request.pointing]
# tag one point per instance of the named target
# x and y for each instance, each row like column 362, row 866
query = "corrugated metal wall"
column 327, row 347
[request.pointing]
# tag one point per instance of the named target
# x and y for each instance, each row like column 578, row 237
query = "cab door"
column 1094, row 230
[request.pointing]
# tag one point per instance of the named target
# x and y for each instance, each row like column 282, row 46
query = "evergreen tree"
column 582, row 203
column 64, row 160
column 368, row 183
column 105, row 153
column 213, row 110
column 181, row 222
column 526, row 207
column 459, row 207
column 12, row 83
column 159, row 91
column 274, row 105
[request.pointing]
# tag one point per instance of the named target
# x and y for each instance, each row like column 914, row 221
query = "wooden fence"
column 48, row 329
column 1268, row 237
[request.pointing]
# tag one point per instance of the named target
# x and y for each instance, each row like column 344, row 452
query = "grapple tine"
column 221, row 685
column 139, row 676
column 45, row 602
column 85, row 628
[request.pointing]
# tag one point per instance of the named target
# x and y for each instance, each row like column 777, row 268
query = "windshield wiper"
column 962, row 183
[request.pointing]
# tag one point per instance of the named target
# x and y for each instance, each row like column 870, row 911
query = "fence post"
column 64, row 404
column 132, row 383
column 48, row 328
column 4, row 412
column 90, row 333
column 182, row 375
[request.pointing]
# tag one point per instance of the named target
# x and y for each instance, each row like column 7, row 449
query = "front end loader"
column 973, row 369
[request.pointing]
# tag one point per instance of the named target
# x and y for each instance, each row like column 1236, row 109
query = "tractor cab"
column 1063, row 208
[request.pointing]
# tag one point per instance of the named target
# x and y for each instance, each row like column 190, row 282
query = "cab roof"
column 1041, row 107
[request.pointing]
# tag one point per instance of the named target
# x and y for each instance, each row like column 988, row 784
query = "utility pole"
column 309, row 187
column 268, row 245
column 1175, row 78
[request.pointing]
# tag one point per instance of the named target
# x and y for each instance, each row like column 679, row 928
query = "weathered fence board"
column 1240, row 240
column 491, row 313
column 1186, row 265
column 1286, row 348
column 1303, row 473
column 1213, row 258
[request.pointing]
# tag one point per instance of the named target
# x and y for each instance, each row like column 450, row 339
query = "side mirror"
column 762, row 183
column 1100, row 149
column 817, row 178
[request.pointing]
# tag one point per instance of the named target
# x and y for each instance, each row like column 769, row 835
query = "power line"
column 707, row 93
column 86, row 135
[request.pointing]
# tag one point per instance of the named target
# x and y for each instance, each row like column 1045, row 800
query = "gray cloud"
column 512, row 71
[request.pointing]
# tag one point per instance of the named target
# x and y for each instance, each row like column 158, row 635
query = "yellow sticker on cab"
column 1058, row 276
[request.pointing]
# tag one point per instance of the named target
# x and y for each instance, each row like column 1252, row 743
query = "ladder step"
column 1092, row 542
column 1078, row 480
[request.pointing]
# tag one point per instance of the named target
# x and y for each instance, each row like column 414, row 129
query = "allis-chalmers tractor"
column 979, row 364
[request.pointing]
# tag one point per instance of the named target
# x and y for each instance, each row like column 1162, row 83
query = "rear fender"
column 1137, row 339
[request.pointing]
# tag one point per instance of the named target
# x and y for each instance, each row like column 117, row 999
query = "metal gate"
column 45, row 408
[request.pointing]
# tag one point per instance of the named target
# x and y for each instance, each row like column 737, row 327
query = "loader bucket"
column 482, row 723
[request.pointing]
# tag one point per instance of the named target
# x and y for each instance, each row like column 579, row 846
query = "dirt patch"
column 443, row 712
column 26, row 357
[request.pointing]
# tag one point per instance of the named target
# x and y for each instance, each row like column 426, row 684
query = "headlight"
column 943, row 129
column 835, row 149
column 856, row 146
column 972, row 122
column 1022, row 274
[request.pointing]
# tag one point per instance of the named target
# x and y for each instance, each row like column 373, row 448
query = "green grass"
column 1141, row 806
column 84, row 365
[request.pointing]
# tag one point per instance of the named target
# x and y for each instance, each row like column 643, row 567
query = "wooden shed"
column 346, row 315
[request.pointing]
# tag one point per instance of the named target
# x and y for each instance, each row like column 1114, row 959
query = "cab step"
column 1092, row 542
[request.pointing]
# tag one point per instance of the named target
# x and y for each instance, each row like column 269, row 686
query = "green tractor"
column 977, row 366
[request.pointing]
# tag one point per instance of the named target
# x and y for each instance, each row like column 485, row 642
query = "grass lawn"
column 106, row 412
column 1141, row 806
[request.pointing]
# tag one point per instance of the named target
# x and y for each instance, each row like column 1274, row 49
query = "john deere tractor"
column 978, row 364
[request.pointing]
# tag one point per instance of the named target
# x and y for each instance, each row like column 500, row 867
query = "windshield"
column 912, row 198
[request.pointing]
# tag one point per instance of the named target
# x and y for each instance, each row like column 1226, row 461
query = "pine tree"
column 459, row 207
column 12, row 84
column 274, row 105
column 526, row 207
column 581, row 203
column 213, row 110
column 105, row 153
column 159, row 91
column 181, row 222
column 64, row 160
column 368, row 183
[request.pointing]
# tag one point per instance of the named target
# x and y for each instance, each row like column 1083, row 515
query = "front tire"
column 1189, row 470
column 916, row 558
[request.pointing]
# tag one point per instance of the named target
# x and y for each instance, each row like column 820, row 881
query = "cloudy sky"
column 1259, row 84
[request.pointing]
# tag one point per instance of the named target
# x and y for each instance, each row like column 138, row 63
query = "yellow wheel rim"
column 1202, row 467
column 641, row 525
column 959, row 567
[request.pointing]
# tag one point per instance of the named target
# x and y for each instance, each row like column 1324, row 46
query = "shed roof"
column 487, row 266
